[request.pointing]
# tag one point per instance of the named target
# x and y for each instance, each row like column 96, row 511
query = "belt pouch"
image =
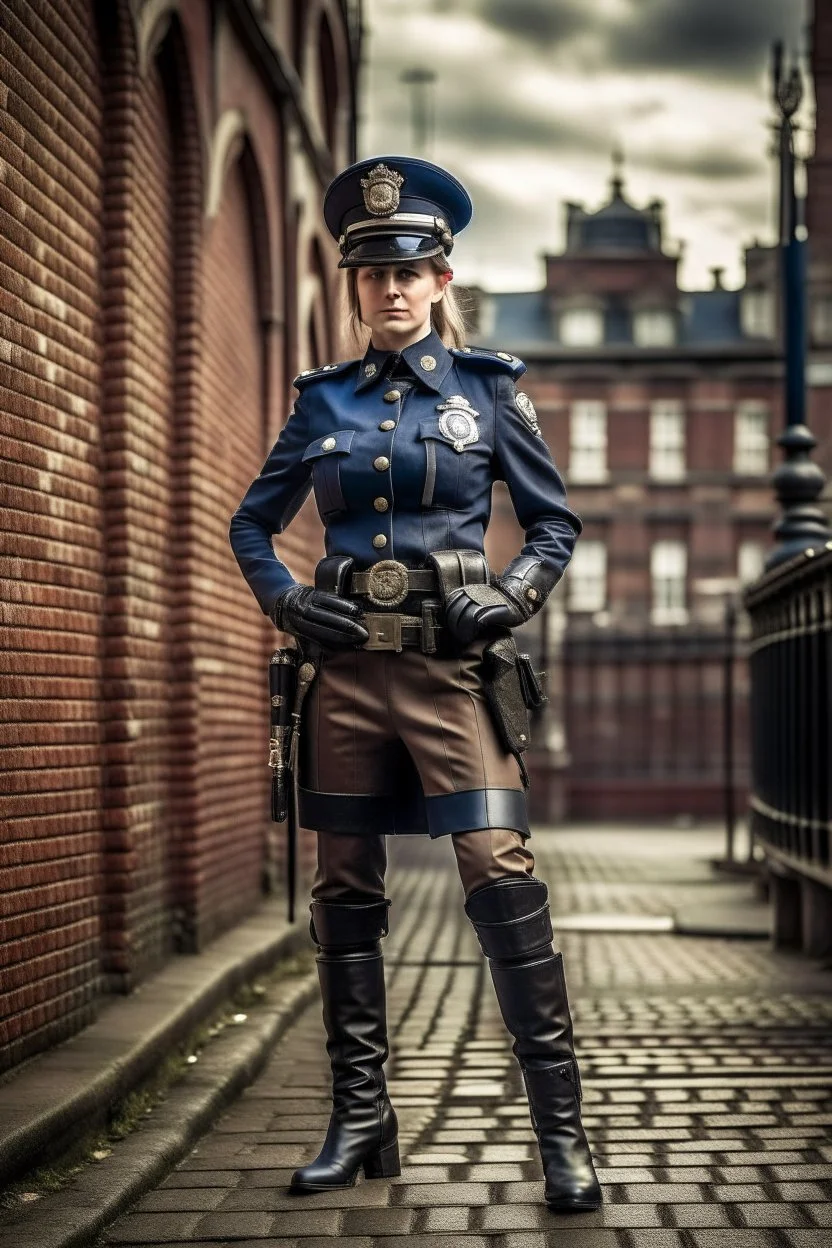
column 504, row 692
column 431, row 613
column 455, row 568
column 333, row 574
column 531, row 683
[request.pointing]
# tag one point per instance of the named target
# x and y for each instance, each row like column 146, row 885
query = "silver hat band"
column 435, row 225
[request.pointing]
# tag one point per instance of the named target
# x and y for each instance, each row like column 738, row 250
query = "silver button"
column 428, row 363
column 392, row 396
column 328, row 444
column 379, row 541
column 387, row 425
column 380, row 504
column 381, row 464
column 370, row 370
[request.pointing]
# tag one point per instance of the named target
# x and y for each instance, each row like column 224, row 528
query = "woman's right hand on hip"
column 319, row 616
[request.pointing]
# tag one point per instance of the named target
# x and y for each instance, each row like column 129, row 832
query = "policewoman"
column 401, row 731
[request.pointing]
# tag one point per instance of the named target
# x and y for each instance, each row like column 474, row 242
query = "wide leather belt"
column 390, row 631
column 388, row 583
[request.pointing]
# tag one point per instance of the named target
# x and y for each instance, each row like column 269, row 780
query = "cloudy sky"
column 531, row 96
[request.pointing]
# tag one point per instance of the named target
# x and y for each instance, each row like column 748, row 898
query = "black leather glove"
column 319, row 616
column 477, row 610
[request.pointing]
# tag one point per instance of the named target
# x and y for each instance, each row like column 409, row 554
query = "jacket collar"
column 429, row 360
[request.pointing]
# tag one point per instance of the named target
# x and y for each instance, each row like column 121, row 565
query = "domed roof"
column 617, row 226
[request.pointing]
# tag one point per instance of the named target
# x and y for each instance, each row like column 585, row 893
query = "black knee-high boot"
column 363, row 1132
column 511, row 919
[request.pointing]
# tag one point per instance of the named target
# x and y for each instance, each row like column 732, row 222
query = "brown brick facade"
column 157, row 253
column 54, row 591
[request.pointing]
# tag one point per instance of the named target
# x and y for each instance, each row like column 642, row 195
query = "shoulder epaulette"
column 326, row 370
column 495, row 359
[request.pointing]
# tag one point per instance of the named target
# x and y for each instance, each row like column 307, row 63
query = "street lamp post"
column 725, row 589
column 420, row 81
column 798, row 481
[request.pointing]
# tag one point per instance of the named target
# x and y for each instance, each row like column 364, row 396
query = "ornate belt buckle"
column 387, row 583
column 385, row 631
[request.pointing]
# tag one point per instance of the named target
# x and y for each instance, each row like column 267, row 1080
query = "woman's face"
column 396, row 299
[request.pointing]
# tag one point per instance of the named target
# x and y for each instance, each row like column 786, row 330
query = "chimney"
column 717, row 272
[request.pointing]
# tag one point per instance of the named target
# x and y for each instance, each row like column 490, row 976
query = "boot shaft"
column 513, row 925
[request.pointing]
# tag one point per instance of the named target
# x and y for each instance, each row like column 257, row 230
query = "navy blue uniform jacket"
column 389, row 484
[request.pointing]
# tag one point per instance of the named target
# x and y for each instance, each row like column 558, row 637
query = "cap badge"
column 458, row 423
column 525, row 407
column 381, row 191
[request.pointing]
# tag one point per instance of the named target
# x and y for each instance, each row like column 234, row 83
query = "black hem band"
column 372, row 814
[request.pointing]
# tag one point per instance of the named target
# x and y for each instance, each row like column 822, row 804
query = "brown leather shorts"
column 404, row 743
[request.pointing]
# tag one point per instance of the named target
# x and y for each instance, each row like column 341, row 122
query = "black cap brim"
column 379, row 248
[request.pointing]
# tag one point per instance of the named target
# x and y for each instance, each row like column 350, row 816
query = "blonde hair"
column 447, row 316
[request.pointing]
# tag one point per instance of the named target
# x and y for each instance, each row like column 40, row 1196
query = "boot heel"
column 384, row 1164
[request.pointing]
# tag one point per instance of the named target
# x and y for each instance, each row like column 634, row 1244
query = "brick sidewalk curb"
column 75, row 1084
column 76, row 1216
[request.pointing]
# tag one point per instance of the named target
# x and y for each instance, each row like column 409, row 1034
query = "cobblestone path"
column 706, row 1066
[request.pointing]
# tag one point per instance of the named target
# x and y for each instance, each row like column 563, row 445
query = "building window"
column 757, row 313
column 668, row 574
column 751, row 558
column 582, row 327
column 588, row 441
column 586, row 578
column 822, row 318
column 667, row 440
column 654, row 327
column 751, row 441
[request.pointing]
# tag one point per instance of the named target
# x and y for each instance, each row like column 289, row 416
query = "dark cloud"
column 713, row 165
column 729, row 38
column 540, row 21
column 465, row 116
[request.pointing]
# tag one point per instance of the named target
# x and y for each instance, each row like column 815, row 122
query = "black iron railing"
column 791, row 710
column 655, row 722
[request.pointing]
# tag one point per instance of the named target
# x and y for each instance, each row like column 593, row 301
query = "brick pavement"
column 705, row 1062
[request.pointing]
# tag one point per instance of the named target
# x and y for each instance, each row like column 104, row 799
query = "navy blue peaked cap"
column 392, row 208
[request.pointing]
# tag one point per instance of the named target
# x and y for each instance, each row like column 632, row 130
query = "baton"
column 282, row 698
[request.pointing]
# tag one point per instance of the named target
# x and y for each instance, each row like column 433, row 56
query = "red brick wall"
column 230, row 664
column 52, row 595
column 138, row 440
column 147, row 359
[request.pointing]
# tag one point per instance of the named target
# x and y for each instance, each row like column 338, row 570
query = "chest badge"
column 458, row 422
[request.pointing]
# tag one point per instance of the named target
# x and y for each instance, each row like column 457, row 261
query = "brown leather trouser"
column 364, row 710
column 351, row 868
column 374, row 718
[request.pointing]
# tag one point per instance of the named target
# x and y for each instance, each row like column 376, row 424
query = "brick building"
column 165, row 273
column 660, row 405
